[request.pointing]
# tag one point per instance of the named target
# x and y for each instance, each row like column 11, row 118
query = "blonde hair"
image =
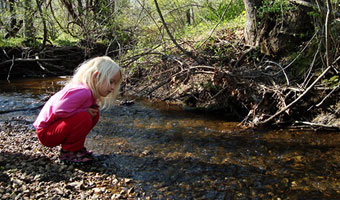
column 105, row 68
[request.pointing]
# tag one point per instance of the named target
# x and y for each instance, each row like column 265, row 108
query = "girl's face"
column 106, row 89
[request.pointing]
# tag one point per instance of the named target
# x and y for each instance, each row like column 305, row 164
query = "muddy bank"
column 250, row 95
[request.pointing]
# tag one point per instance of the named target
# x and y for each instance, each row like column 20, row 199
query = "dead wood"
column 23, row 60
column 35, row 62
column 314, row 126
column 296, row 100
column 184, row 72
column 299, row 97
column 328, row 95
column 189, row 54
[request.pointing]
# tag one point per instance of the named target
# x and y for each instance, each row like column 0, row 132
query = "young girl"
column 70, row 114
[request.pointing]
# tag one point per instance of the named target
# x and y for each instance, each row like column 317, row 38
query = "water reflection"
column 33, row 86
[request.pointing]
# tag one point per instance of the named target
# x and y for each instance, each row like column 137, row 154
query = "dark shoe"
column 97, row 157
column 85, row 152
column 77, row 158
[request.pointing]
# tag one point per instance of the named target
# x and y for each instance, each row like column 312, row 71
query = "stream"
column 176, row 154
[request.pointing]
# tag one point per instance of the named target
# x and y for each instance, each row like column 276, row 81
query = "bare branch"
column 297, row 99
column 172, row 37
column 328, row 95
column 304, row 3
column 213, row 30
column 329, row 10
column 26, row 60
column 10, row 69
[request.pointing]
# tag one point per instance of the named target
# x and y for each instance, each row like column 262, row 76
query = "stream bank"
column 236, row 85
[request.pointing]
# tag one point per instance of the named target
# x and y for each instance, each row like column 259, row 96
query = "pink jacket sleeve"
column 74, row 100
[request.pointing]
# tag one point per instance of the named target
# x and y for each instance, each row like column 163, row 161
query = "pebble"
column 34, row 171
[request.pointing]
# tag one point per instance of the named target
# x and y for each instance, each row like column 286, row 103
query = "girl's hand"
column 93, row 111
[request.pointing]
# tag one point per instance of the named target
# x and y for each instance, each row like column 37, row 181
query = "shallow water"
column 175, row 154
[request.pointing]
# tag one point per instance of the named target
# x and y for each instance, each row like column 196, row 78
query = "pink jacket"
column 63, row 104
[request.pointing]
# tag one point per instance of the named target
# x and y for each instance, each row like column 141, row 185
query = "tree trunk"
column 277, row 32
column 188, row 16
column 43, row 21
column 69, row 6
column 29, row 36
column 13, row 20
column 250, row 28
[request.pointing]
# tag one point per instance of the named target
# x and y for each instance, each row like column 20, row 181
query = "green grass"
column 11, row 42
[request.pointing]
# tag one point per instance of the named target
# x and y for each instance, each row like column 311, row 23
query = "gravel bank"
column 29, row 170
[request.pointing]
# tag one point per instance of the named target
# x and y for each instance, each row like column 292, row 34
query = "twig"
column 252, row 111
column 159, row 85
column 172, row 37
column 283, row 70
column 329, row 94
column 179, row 74
column 318, row 125
column 201, row 67
column 10, row 69
column 108, row 46
column 309, row 42
column 213, row 30
column 219, row 92
column 136, row 57
column 304, row 3
column 243, row 57
column 307, row 79
column 27, row 60
column 170, row 95
column 329, row 10
column 5, row 53
column 297, row 99
column 43, row 68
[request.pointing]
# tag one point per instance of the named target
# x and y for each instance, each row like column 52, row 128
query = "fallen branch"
column 318, row 125
column 328, row 95
column 304, row 3
column 181, row 73
column 282, row 69
column 297, row 99
column 243, row 57
column 10, row 69
column 45, row 69
column 27, row 60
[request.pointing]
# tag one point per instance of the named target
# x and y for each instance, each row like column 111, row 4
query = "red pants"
column 70, row 132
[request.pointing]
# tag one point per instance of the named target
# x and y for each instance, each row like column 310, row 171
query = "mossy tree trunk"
column 277, row 27
column 250, row 28
column 14, row 27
